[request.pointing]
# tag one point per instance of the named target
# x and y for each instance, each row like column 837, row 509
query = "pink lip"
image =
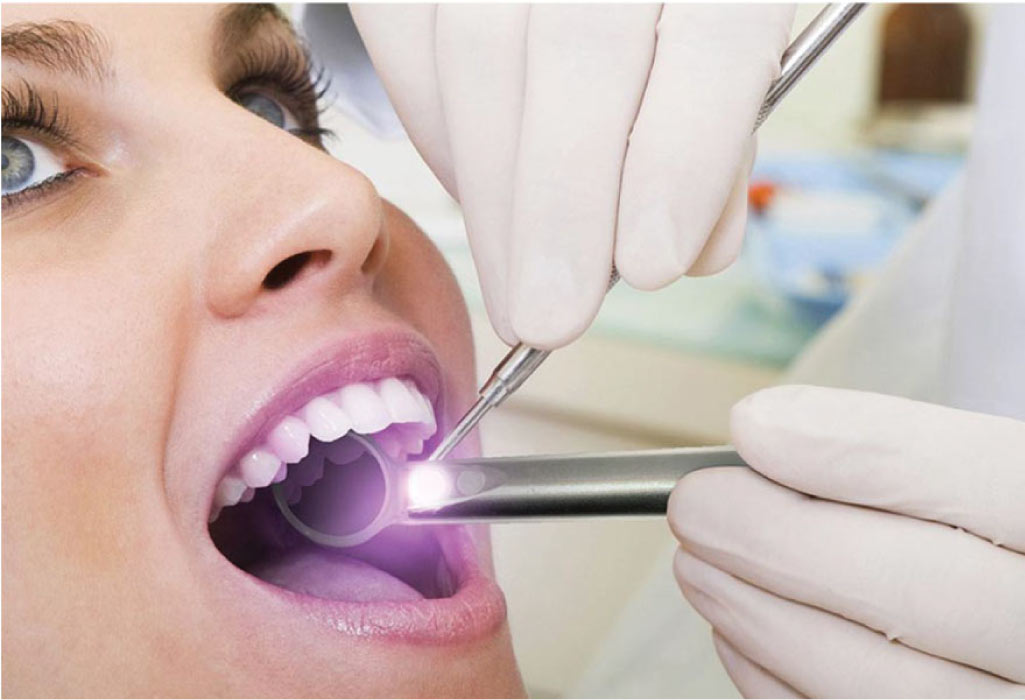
column 477, row 609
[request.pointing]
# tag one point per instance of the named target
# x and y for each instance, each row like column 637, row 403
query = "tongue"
column 330, row 574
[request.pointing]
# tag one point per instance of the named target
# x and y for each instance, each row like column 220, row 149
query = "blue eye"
column 268, row 108
column 27, row 164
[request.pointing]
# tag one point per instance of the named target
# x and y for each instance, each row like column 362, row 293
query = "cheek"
column 86, row 382
column 416, row 283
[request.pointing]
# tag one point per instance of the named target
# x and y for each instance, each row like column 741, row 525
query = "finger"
column 483, row 110
column 932, row 462
column 727, row 238
column 400, row 43
column 936, row 588
column 713, row 66
column 818, row 653
column 586, row 70
column 751, row 680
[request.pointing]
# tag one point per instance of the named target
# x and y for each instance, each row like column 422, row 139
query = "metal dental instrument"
column 368, row 492
column 554, row 486
column 522, row 360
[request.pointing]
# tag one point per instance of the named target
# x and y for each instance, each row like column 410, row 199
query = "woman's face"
column 181, row 274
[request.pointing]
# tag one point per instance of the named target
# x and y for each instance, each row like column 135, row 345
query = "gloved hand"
column 876, row 550
column 569, row 132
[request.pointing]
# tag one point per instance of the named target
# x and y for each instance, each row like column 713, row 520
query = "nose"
column 311, row 228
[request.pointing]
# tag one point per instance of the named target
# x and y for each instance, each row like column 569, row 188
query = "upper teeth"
column 365, row 407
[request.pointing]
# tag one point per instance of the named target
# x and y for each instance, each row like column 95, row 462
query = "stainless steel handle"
column 557, row 486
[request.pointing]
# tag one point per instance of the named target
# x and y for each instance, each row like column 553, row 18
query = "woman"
column 185, row 271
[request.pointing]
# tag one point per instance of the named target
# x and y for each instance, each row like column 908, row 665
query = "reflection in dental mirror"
column 341, row 494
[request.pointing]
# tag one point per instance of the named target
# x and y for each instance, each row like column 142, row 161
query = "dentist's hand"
column 877, row 550
column 573, row 135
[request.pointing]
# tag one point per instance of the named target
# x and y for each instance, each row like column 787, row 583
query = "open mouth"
column 301, row 453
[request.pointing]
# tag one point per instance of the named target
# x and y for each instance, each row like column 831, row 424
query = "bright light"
column 427, row 485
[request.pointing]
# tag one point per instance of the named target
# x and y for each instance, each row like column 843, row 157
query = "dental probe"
column 523, row 360
column 554, row 486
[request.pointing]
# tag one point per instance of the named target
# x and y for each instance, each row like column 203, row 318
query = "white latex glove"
column 878, row 549
column 569, row 132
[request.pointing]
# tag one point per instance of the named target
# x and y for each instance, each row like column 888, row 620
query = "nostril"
column 288, row 269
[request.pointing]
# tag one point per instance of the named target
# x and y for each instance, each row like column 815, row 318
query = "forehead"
column 142, row 18
column 139, row 41
column 138, row 36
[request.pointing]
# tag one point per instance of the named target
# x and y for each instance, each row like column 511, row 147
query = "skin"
column 137, row 334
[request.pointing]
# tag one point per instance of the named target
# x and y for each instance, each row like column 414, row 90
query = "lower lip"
column 476, row 610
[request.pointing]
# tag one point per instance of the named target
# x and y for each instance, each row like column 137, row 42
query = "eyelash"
column 279, row 69
column 29, row 112
column 302, row 86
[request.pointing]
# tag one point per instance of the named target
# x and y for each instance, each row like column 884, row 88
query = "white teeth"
column 402, row 404
column 259, row 467
column 426, row 411
column 290, row 440
column 393, row 410
column 364, row 406
column 229, row 491
column 325, row 420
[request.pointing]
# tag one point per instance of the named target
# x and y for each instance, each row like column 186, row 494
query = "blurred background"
column 875, row 130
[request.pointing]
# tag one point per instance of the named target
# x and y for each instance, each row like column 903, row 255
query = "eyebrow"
column 60, row 46
column 65, row 46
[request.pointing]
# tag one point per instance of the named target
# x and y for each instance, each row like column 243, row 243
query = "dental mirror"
column 345, row 494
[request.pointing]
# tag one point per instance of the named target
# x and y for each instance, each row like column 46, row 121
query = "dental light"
column 355, row 501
